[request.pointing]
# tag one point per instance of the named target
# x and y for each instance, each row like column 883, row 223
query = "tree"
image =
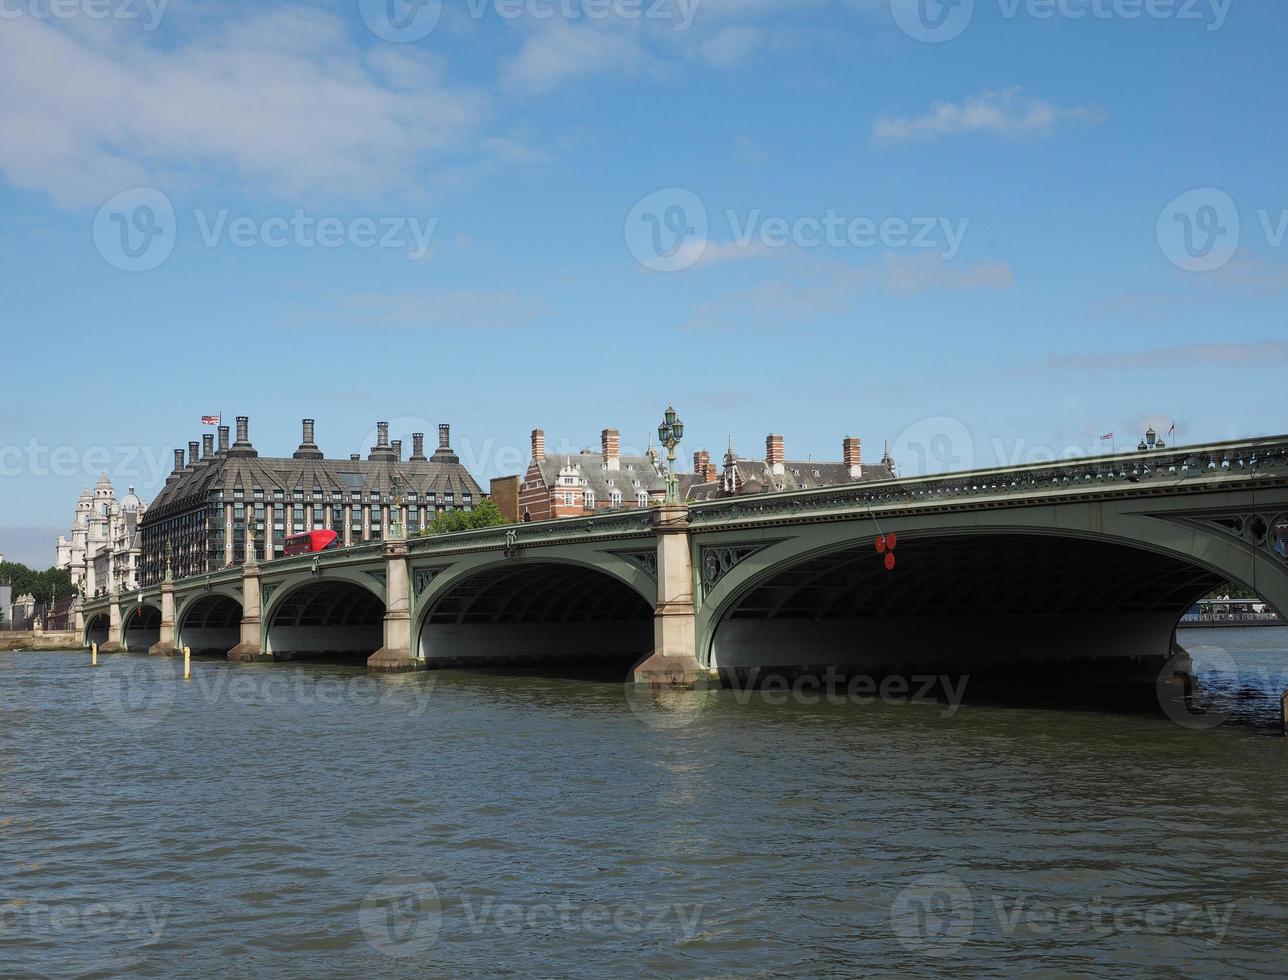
column 486, row 514
column 47, row 586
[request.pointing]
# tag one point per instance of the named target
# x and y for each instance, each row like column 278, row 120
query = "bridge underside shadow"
column 97, row 630
column 988, row 604
column 142, row 629
column 333, row 620
column 546, row 616
column 211, row 626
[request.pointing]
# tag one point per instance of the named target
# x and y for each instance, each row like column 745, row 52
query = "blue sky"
column 588, row 214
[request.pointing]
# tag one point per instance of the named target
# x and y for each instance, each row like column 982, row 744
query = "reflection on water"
column 310, row 819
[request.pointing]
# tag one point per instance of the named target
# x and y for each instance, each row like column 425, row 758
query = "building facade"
column 577, row 484
column 102, row 551
column 199, row 520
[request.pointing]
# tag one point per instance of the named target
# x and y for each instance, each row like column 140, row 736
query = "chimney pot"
column 382, row 435
column 308, row 432
column 223, row 438
column 194, row 452
column 207, row 445
column 444, row 437
column 538, row 445
column 178, row 460
column 418, row 446
column 354, row 457
column 243, row 429
column 397, row 444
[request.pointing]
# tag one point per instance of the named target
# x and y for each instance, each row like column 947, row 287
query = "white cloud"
column 283, row 102
column 731, row 45
column 1004, row 113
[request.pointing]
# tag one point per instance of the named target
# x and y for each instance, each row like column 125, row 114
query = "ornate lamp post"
column 669, row 433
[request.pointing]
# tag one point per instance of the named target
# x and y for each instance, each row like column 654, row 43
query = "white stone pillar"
column 115, row 635
column 228, row 534
column 165, row 647
column 396, row 654
column 251, row 647
column 674, row 662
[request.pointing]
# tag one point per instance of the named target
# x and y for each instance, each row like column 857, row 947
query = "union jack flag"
column 210, row 419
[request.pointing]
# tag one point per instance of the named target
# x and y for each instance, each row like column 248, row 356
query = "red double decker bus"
column 306, row 544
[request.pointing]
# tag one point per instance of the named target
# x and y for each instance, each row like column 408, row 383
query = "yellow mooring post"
column 93, row 656
column 187, row 663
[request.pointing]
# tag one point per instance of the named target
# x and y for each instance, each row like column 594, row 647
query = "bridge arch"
column 550, row 611
column 209, row 623
column 140, row 627
column 984, row 590
column 97, row 629
column 326, row 617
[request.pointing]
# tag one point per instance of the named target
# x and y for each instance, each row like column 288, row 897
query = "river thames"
column 306, row 820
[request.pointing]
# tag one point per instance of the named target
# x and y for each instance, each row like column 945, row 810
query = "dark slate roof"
column 192, row 486
column 806, row 475
column 642, row 470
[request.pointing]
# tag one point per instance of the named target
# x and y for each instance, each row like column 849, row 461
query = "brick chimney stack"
column 444, row 436
column 207, row 445
column 852, row 454
column 703, row 467
column 397, row 444
column 243, row 429
column 178, row 460
column 418, row 447
column 538, row 445
column 775, row 455
column 611, row 441
column 223, row 439
column 382, row 434
column 194, row 453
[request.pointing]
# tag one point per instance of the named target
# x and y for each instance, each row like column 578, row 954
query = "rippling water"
column 305, row 820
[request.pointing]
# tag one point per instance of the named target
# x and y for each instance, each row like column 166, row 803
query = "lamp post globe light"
column 669, row 434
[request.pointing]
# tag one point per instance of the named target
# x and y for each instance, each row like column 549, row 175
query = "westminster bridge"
column 1089, row 563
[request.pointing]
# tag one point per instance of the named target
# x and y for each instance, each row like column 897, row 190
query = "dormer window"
column 616, row 498
column 589, row 497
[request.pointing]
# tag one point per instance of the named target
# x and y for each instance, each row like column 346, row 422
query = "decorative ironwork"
column 1260, row 530
column 717, row 562
column 646, row 561
column 1163, row 470
column 423, row 578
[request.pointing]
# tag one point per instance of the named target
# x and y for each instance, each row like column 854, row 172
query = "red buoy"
column 889, row 561
column 890, row 540
column 881, row 544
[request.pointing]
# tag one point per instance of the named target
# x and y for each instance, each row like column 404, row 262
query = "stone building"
column 198, row 521
column 777, row 474
column 104, row 548
column 577, row 484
